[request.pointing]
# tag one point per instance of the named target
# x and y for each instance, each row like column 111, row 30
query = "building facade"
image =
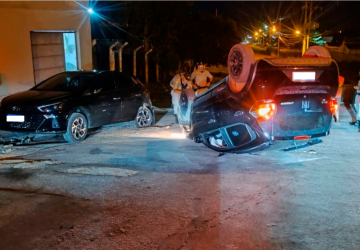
column 41, row 38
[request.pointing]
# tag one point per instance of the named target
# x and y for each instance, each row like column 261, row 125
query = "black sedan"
column 70, row 103
column 277, row 99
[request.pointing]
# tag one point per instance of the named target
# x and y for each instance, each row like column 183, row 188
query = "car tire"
column 77, row 128
column 186, row 101
column 144, row 117
column 317, row 52
column 239, row 62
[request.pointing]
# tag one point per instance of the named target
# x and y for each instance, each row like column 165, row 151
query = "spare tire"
column 187, row 98
column 317, row 52
column 239, row 62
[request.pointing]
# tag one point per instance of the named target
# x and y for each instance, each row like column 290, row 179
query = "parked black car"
column 263, row 101
column 72, row 102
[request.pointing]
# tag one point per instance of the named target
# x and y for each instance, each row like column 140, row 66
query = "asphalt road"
column 128, row 188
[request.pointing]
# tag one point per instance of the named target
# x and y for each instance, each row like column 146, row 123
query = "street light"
column 90, row 10
column 305, row 40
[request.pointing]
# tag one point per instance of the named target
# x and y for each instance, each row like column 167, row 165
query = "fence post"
column 134, row 61
column 112, row 56
column 120, row 55
column 147, row 67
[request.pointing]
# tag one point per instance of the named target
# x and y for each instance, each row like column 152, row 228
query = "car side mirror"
column 95, row 91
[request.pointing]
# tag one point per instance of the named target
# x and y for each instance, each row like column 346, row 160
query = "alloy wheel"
column 143, row 117
column 78, row 128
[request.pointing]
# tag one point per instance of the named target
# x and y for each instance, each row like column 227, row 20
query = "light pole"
column 279, row 38
column 305, row 41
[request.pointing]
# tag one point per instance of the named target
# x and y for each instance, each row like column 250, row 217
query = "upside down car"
column 262, row 101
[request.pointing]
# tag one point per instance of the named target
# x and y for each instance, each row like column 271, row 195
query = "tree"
column 176, row 34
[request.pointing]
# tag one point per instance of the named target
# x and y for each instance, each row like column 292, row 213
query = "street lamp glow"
column 256, row 34
column 297, row 32
column 274, row 29
column 90, row 10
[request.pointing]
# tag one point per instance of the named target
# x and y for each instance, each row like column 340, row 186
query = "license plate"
column 15, row 118
column 303, row 76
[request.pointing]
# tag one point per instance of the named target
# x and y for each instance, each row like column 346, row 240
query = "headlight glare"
column 51, row 107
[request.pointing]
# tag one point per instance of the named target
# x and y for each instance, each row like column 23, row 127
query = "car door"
column 104, row 102
column 130, row 94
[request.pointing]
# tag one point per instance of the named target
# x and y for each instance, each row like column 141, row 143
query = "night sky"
column 332, row 16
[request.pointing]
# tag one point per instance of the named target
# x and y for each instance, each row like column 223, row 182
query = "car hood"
column 35, row 97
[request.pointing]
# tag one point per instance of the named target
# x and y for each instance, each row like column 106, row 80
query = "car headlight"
column 51, row 107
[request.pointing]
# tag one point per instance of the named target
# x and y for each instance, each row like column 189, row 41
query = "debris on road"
column 100, row 171
column 5, row 148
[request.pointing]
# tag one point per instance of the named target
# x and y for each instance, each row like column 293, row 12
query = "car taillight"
column 263, row 110
column 301, row 137
column 333, row 104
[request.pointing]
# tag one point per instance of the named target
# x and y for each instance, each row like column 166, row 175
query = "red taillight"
column 266, row 110
column 333, row 104
column 263, row 110
column 301, row 137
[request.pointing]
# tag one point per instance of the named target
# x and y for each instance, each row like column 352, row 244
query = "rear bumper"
column 287, row 138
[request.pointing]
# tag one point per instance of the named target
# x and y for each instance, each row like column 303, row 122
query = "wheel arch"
column 149, row 106
column 81, row 110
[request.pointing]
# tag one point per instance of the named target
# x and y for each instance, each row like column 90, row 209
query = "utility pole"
column 309, row 26
column 305, row 28
column 279, row 38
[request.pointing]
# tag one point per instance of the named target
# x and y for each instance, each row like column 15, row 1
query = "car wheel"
column 317, row 51
column 144, row 117
column 77, row 128
column 239, row 62
column 187, row 98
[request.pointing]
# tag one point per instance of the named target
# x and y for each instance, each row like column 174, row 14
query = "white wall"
column 18, row 18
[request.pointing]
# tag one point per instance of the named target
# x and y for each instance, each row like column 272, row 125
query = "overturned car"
column 259, row 102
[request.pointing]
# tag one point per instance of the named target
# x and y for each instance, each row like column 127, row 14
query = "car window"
column 67, row 81
column 123, row 81
column 104, row 82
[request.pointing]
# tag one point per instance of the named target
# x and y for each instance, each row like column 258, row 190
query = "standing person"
column 338, row 98
column 348, row 99
column 178, row 83
column 357, row 100
column 201, row 79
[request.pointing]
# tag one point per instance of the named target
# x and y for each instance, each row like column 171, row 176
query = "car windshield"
column 67, row 82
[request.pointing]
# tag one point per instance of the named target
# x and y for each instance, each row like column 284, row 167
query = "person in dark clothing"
column 348, row 100
column 357, row 104
column 349, row 93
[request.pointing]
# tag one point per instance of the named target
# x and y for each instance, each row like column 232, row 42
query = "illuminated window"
column 70, row 51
